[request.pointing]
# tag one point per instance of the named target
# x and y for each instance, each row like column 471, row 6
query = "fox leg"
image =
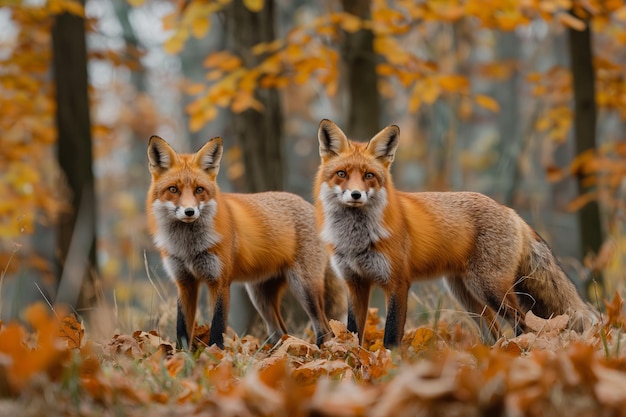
column 505, row 303
column 220, row 294
column 500, row 297
column 186, row 311
column 265, row 297
column 358, row 301
column 397, row 299
column 483, row 315
column 309, row 289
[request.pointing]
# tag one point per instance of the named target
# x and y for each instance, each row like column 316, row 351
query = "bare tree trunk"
column 76, row 228
column 510, row 144
column 360, row 67
column 258, row 133
column 585, row 129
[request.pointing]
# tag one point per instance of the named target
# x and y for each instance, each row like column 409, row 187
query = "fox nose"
column 356, row 194
column 189, row 212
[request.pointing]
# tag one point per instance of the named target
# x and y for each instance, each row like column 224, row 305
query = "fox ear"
column 161, row 156
column 209, row 156
column 332, row 139
column 383, row 146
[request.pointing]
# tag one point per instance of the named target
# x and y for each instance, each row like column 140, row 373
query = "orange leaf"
column 614, row 311
column 487, row 102
column 37, row 315
column 194, row 89
column 72, row 332
column 385, row 69
column 199, row 119
column 422, row 338
column 176, row 363
column 274, row 374
column 43, row 356
column 350, row 23
column 581, row 201
column 415, row 101
column 169, row 21
column 554, row 173
column 430, row 91
column 571, row 21
column 310, row 372
column 230, row 63
column 453, row 83
column 620, row 14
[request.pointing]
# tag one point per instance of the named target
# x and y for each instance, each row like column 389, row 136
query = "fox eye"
column 199, row 190
column 173, row 189
column 342, row 174
column 368, row 176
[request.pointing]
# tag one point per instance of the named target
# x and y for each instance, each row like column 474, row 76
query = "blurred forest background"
column 522, row 100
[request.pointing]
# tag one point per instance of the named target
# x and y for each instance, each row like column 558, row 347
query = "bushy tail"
column 544, row 288
column 335, row 296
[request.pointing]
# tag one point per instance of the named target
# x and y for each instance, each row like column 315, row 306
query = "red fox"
column 206, row 236
column 493, row 262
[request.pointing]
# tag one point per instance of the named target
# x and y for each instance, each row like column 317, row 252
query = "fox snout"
column 187, row 214
column 354, row 197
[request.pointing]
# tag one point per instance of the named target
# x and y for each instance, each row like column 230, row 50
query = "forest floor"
column 50, row 367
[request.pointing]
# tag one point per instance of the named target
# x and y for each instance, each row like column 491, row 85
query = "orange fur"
column 493, row 262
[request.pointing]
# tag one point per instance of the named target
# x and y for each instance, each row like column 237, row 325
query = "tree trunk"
column 258, row 133
column 360, row 67
column 585, row 129
column 76, row 228
column 508, row 122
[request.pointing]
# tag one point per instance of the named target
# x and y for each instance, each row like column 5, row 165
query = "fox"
column 492, row 261
column 267, row 240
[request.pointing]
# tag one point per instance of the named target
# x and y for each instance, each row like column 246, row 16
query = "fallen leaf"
column 614, row 311
column 122, row 344
column 292, row 346
column 539, row 324
column 422, row 338
column 310, row 372
column 72, row 332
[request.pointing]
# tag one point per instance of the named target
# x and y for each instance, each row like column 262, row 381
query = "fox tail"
column 544, row 288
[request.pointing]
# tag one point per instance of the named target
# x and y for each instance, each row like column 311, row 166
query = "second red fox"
column 493, row 262
column 268, row 240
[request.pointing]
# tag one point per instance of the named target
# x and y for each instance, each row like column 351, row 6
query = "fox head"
column 355, row 174
column 183, row 185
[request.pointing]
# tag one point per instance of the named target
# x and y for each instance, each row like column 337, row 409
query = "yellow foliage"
column 571, row 21
column 245, row 100
column 422, row 338
column 69, row 6
column 200, row 27
column 176, row 43
column 254, row 5
column 169, row 21
column 415, row 100
column 453, row 83
column 487, row 102
column 349, row 22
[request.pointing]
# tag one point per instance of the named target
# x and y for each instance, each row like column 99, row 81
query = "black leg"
column 218, row 324
column 182, row 338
